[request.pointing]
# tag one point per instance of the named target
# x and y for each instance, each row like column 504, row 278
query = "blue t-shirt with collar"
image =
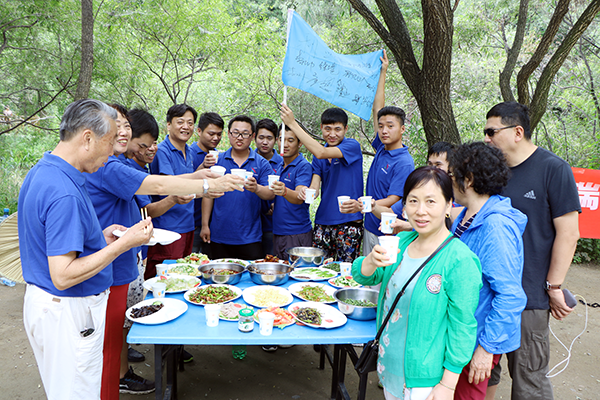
column 288, row 218
column 142, row 200
column 340, row 177
column 170, row 161
column 235, row 215
column 112, row 189
column 267, row 220
column 387, row 175
column 198, row 156
column 56, row 216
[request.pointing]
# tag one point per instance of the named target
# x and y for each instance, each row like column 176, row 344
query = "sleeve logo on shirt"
column 434, row 283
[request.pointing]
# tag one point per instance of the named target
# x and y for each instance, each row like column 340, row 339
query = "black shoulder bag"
column 367, row 362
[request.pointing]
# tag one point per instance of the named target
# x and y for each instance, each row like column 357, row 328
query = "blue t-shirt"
column 235, row 215
column 340, row 177
column 387, row 175
column 198, row 156
column 170, row 161
column 288, row 218
column 267, row 220
column 142, row 200
column 56, row 216
column 112, row 189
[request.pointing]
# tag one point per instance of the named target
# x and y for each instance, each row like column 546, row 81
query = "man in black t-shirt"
column 543, row 187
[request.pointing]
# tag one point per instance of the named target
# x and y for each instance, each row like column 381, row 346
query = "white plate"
column 311, row 274
column 193, row 282
column 251, row 293
column 295, row 288
column 330, row 317
column 236, row 290
column 281, row 326
column 159, row 236
column 193, row 270
column 332, row 283
column 173, row 308
column 239, row 307
column 233, row 260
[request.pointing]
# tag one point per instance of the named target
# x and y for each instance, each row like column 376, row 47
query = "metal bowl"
column 208, row 277
column 306, row 256
column 357, row 312
column 272, row 273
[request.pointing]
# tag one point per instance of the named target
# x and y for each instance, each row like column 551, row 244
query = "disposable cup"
column 390, row 244
column 239, row 172
column 366, row 203
column 217, row 169
column 346, row 269
column 214, row 153
column 248, row 175
column 272, row 180
column 266, row 320
column 161, row 269
column 342, row 199
column 212, row 314
column 386, row 222
column 310, row 196
column 159, row 289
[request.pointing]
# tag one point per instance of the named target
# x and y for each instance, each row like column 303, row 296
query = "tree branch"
column 513, row 53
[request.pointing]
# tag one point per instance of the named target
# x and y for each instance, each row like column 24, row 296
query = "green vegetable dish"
column 315, row 293
column 184, row 270
column 359, row 303
column 308, row 315
column 212, row 295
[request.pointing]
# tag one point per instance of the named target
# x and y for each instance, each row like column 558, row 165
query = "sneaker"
column 135, row 384
column 286, row 346
column 269, row 348
column 134, row 356
column 187, row 356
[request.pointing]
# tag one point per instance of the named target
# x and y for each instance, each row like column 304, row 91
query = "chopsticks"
column 144, row 213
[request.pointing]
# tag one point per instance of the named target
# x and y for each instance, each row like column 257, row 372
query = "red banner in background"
column 588, row 185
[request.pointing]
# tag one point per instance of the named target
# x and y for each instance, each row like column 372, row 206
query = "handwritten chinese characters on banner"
column 588, row 185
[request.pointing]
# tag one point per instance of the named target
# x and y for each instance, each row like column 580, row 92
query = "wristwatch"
column 205, row 186
column 550, row 286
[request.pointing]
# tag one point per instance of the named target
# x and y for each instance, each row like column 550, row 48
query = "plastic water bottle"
column 238, row 351
column 6, row 213
column 6, row 281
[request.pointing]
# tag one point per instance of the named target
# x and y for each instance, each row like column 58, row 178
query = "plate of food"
column 316, row 292
column 183, row 269
column 232, row 260
column 194, row 258
column 312, row 274
column 156, row 311
column 175, row 283
column 317, row 315
column 263, row 296
column 332, row 265
column 283, row 317
column 271, row 259
column 231, row 311
column 342, row 282
column 212, row 294
column 159, row 236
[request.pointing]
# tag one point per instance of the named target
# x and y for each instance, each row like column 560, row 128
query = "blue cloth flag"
column 348, row 81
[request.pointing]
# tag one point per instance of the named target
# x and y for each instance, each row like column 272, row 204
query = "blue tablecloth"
column 190, row 329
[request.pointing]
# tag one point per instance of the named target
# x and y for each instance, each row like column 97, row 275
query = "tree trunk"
column 87, row 50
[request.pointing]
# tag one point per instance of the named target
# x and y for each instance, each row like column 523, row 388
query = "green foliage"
column 588, row 251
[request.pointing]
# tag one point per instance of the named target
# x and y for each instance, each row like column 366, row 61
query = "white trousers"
column 69, row 363
column 410, row 394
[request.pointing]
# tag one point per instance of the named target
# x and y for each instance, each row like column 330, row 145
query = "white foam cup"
column 266, row 320
column 386, row 222
column 239, row 172
column 217, row 169
column 345, row 269
column 248, row 175
column 214, row 153
column 212, row 314
column 342, row 199
column 159, row 289
column 366, row 203
column 310, row 195
column 161, row 269
column 273, row 179
column 390, row 244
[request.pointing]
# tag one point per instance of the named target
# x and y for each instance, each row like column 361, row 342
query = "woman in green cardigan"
column 431, row 334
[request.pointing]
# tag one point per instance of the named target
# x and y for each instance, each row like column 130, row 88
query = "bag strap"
column 389, row 314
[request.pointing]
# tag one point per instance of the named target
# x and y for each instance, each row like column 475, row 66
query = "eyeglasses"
column 492, row 131
column 237, row 134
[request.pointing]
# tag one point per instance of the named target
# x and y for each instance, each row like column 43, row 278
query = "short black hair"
column 287, row 128
column 440, row 148
column 484, row 165
column 422, row 175
column 242, row 118
column 512, row 113
column 392, row 110
column 142, row 122
column 208, row 118
column 178, row 110
column 333, row 116
column 267, row 124
column 121, row 109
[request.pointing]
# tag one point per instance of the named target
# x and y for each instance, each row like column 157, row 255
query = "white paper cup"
column 266, row 320
column 386, row 222
column 159, row 289
column 366, row 203
column 248, row 175
column 345, row 269
column 390, row 244
column 161, row 269
column 239, row 172
column 310, row 196
column 212, row 314
column 273, row 179
column 217, row 169
column 342, row 199
column 214, row 153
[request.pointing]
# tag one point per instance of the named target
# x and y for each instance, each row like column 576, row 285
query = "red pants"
column 113, row 342
column 468, row 391
column 159, row 253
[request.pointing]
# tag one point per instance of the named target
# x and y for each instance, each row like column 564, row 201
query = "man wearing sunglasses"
column 543, row 187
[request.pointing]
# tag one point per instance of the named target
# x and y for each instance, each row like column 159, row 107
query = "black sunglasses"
column 492, row 131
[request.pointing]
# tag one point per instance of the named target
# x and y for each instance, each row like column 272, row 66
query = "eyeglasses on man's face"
column 492, row 131
column 243, row 134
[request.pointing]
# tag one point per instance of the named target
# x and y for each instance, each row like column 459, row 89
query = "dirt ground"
column 293, row 373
